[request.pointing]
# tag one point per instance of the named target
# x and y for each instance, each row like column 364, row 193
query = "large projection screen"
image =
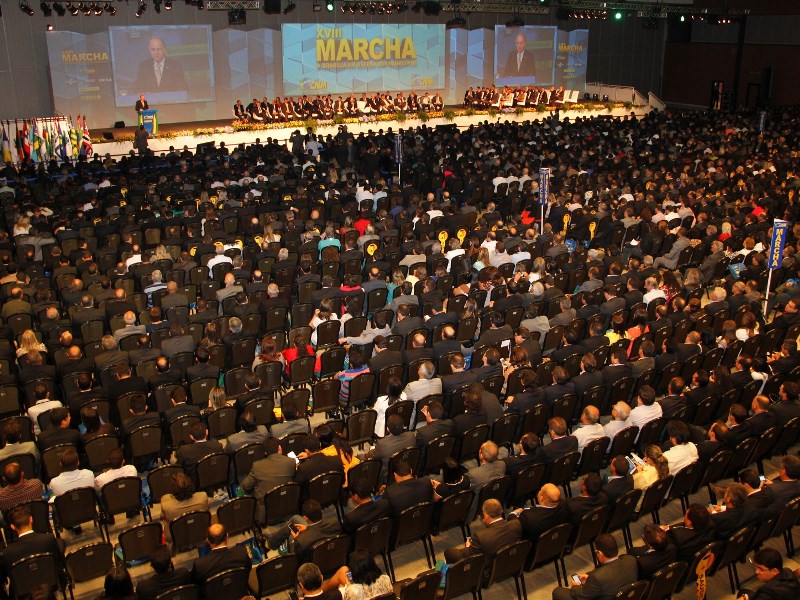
column 340, row 59
column 168, row 64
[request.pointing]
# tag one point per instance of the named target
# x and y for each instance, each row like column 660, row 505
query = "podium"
column 149, row 118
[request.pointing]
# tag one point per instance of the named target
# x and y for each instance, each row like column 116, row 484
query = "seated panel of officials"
column 326, row 107
column 508, row 97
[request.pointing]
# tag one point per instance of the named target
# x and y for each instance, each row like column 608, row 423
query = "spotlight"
column 330, row 5
column 110, row 9
column 457, row 22
column 73, row 10
column 50, row 27
column 167, row 4
column 141, row 9
column 24, row 7
column 290, row 6
column 618, row 15
column 46, row 10
column 97, row 9
column 157, row 6
column 59, row 9
column 84, row 8
column 402, row 7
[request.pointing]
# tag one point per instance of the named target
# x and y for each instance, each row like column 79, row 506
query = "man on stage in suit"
column 520, row 61
column 141, row 104
column 497, row 534
column 160, row 73
column 221, row 558
column 614, row 573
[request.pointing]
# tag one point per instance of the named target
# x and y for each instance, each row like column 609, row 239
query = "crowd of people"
column 325, row 107
column 269, row 266
column 511, row 97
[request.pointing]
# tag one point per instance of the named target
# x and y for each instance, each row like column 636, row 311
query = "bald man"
column 548, row 512
column 159, row 73
column 520, row 61
column 589, row 428
column 221, row 558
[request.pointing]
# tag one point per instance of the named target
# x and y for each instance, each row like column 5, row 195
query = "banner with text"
column 340, row 59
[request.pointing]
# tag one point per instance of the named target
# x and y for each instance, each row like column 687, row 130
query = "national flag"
column 26, row 141
column 18, row 143
column 6, row 146
column 35, row 141
column 60, row 147
column 73, row 139
column 47, row 144
column 87, row 141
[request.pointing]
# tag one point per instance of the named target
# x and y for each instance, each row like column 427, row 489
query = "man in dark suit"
column 548, row 512
column 589, row 500
column 617, row 369
column 596, row 339
column 737, row 513
column 498, row 332
column 619, row 482
column 366, row 509
column 787, row 486
column 271, row 471
column 304, row 530
column 159, row 73
column 458, row 377
column 59, row 431
column 315, row 462
column 634, row 294
column 141, row 104
column 497, row 534
column 520, row 61
column 689, row 347
column 398, row 439
column 189, row 455
column 28, row 543
column 418, row 351
column 221, row 558
column 530, row 453
column 138, row 416
column 406, row 323
column 786, row 360
column 788, row 408
column 674, row 401
column 657, row 552
column 202, row 368
column 561, row 442
column 165, row 577
column 612, row 303
column 383, row 356
column 696, row 532
column 407, row 489
column 435, row 425
column 761, row 419
column 776, row 580
column 447, row 344
column 759, row 496
column 614, row 573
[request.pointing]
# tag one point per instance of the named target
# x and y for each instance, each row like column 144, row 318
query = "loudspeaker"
column 237, row 17
column 203, row 148
column 272, row 7
column 107, row 135
column 119, row 125
column 447, row 128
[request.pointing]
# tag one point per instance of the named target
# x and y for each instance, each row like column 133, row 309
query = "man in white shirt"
column 653, row 291
column 683, row 452
column 135, row 258
column 589, row 429
column 620, row 413
column 647, row 409
column 217, row 259
column 43, row 403
column 116, row 461
column 71, row 477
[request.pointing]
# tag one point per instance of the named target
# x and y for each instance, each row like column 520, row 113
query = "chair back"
column 550, row 546
column 504, row 429
column 684, row 481
column 231, row 583
column 527, row 483
column 593, row 455
column 281, row 502
column 623, row 442
column 423, row 587
column 237, row 515
column 624, row 509
column 509, row 562
column 213, row 471
column 633, row 591
column 735, row 548
column 591, row 526
column 330, row 554
column 245, row 456
column 159, row 480
column 51, row 461
column 436, row 452
column 410, row 455
column 325, row 488
column 190, row 530
column 654, row 495
column 740, row 457
column 277, row 574
column 90, row 561
column 374, row 536
column 471, row 442
column 122, row 495
column 32, row 571
column 454, row 511
column 535, row 420
column 403, row 408
column 140, row 541
column 367, row 472
column 263, row 409
column 361, row 425
column 651, row 432
column 497, row 488
column 179, row 430
column 464, row 577
column 221, row 422
column 144, row 442
column 413, row 524
column 75, row 507
column 326, row 395
column 26, row 462
column 664, row 582
column 708, row 554
column 787, row 437
column 563, row 467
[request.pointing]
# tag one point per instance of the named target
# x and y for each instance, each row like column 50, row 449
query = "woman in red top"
column 299, row 349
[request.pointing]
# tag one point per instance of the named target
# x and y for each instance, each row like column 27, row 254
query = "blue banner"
column 779, row 230
column 544, row 185
column 398, row 148
column 323, row 58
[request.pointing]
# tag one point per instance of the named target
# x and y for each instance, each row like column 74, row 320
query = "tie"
column 519, row 60
column 158, row 67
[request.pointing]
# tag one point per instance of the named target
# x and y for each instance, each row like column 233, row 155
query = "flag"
column 18, row 140
column 35, row 141
column 87, row 141
column 60, row 147
column 47, row 145
column 6, row 146
column 73, row 139
column 26, row 141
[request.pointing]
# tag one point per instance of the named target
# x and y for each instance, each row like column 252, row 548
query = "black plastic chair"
column 509, row 562
column 228, row 584
column 464, row 577
column 411, row 525
column 276, row 575
column 375, row 537
column 664, row 582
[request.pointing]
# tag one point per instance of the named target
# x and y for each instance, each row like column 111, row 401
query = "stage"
column 191, row 135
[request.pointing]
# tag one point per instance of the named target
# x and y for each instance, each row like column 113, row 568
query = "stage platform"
column 192, row 134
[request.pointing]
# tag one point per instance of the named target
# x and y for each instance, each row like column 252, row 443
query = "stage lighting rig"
column 141, row 9
column 290, row 6
column 110, row 9
column 46, row 10
column 25, row 7
column 59, row 8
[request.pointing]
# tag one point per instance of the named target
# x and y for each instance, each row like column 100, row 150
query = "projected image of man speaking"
column 160, row 73
column 520, row 61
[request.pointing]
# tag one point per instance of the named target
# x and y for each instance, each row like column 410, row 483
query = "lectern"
column 149, row 118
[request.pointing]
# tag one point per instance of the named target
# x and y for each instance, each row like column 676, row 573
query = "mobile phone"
column 762, row 478
column 350, row 576
column 576, row 579
column 293, row 528
column 469, row 539
column 293, row 595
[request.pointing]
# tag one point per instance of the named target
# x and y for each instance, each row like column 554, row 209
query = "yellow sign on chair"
column 443, row 235
column 461, row 234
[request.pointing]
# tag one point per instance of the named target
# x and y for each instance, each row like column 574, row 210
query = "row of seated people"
column 325, row 107
column 507, row 97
